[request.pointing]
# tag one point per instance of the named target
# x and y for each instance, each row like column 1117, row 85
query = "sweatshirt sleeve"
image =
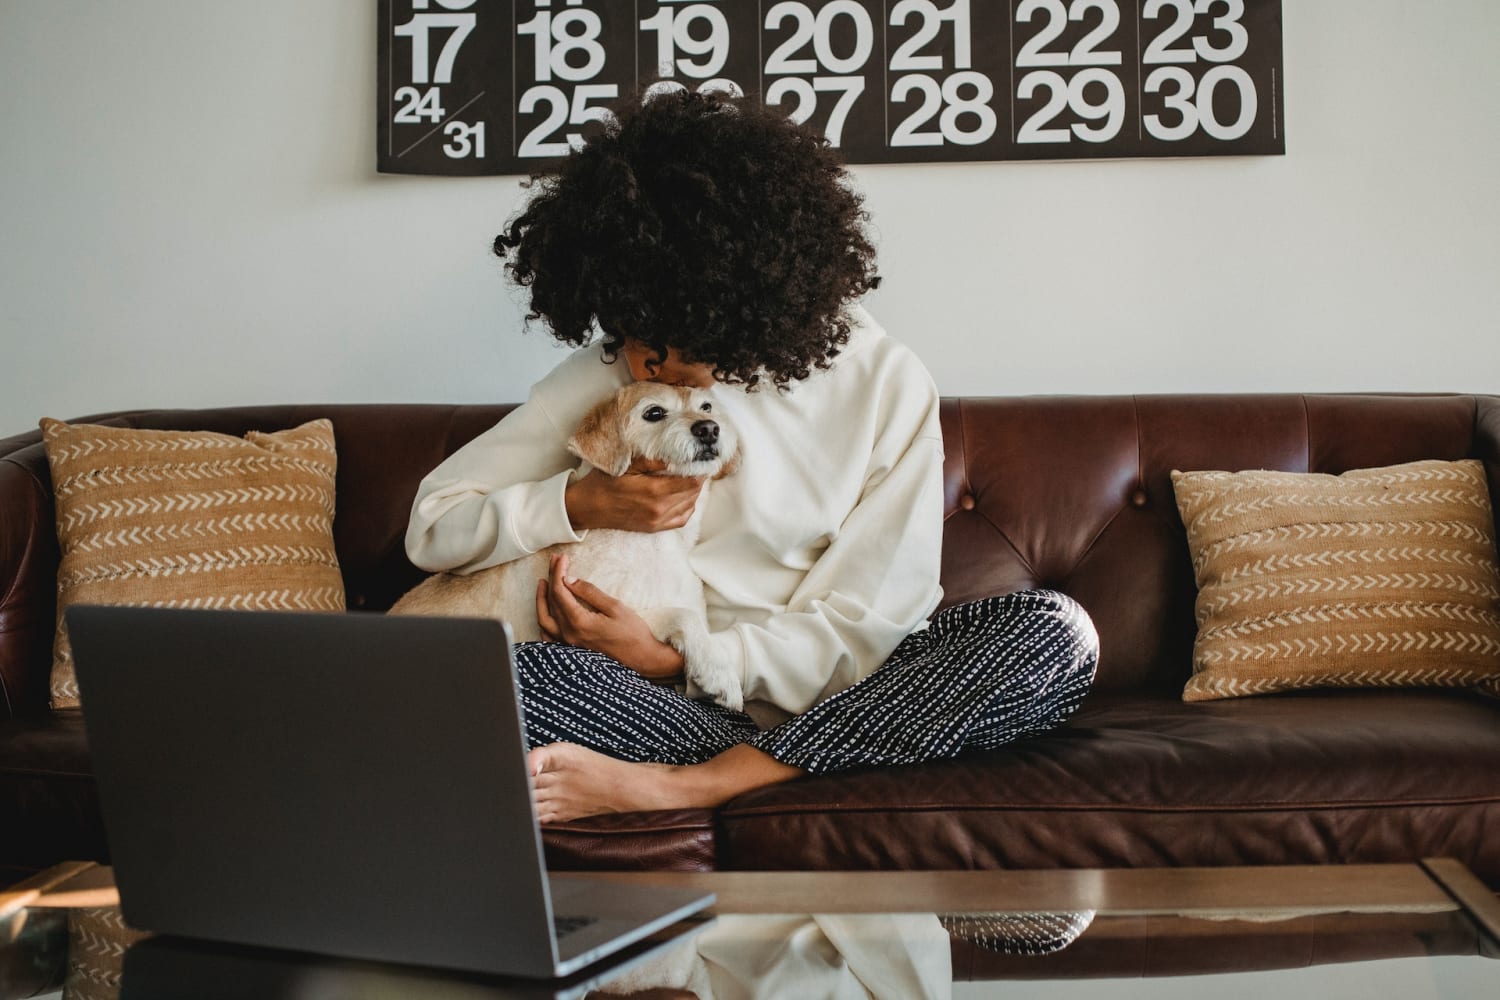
column 500, row 496
column 869, row 589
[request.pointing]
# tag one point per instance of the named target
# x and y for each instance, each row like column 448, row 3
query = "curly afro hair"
column 699, row 222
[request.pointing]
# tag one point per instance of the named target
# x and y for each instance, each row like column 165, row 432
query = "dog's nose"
column 706, row 431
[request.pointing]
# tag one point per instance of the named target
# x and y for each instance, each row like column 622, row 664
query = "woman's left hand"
column 578, row 613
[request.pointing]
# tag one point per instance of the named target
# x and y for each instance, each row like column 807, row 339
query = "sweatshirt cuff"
column 540, row 518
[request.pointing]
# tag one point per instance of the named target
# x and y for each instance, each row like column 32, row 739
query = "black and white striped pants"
column 980, row 675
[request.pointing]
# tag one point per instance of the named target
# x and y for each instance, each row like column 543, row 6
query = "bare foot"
column 569, row 781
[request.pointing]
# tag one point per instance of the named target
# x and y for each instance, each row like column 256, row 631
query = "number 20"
column 818, row 29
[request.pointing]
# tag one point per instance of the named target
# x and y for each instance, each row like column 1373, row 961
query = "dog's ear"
column 600, row 438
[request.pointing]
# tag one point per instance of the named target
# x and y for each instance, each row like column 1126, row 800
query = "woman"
column 714, row 243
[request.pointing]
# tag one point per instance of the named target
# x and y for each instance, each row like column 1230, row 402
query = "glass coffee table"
column 1412, row 930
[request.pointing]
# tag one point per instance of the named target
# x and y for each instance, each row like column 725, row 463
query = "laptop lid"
column 341, row 783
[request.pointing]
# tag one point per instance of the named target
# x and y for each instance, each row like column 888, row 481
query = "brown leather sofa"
column 1063, row 492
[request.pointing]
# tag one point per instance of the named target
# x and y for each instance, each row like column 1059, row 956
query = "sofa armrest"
column 1487, row 446
column 28, row 577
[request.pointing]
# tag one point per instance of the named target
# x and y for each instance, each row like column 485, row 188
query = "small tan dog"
column 647, row 571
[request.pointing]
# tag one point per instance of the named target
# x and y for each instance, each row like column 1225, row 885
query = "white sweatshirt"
column 818, row 556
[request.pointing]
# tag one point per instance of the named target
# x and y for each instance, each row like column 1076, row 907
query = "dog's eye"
column 653, row 414
column 707, row 408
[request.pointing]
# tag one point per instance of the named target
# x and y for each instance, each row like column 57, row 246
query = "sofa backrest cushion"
column 1380, row 577
column 1074, row 493
column 191, row 519
column 383, row 451
column 1069, row 492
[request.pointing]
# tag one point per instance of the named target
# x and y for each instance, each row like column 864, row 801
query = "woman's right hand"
column 635, row 501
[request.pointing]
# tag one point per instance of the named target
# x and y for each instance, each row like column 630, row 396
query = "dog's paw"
column 707, row 673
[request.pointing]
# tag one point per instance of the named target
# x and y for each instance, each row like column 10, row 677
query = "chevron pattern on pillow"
column 1377, row 577
column 191, row 519
column 97, row 942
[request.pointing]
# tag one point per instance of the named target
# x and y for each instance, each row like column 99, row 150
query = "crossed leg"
column 604, row 739
column 982, row 675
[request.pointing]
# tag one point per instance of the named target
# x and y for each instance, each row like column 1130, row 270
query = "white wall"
column 191, row 217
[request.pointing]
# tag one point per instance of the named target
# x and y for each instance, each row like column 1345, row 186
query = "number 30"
column 1201, row 111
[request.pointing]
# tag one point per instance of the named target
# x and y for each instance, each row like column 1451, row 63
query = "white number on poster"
column 511, row 86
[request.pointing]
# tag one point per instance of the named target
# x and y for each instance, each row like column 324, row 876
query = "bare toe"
column 569, row 781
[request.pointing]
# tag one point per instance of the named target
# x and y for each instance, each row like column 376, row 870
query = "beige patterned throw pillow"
column 97, row 942
column 191, row 519
column 1378, row 577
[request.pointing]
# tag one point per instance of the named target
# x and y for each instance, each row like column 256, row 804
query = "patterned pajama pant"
column 979, row 676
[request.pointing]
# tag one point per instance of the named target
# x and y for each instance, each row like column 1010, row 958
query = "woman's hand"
column 636, row 501
column 578, row 613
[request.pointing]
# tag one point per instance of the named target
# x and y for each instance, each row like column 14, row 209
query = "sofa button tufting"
column 1138, row 498
column 966, row 502
column 357, row 601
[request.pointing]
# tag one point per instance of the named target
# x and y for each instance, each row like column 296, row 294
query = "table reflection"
column 844, row 955
column 815, row 955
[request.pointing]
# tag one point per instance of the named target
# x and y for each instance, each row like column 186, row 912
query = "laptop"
column 346, row 784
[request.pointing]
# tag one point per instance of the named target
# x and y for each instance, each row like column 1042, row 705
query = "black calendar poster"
column 507, row 86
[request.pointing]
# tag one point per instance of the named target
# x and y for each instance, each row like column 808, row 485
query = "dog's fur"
column 647, row 571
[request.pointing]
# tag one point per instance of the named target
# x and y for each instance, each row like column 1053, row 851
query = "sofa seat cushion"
column 665, row 841
column 1147, row 781
column 49, row 812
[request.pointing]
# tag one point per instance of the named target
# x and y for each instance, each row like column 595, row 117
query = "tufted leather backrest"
column 1074, row 493
column 383, row 451
column 1068, row 492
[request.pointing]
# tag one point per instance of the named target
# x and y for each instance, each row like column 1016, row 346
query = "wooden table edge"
column 1133, row 891
column 1482, row 905
column 1422, row 886
column 27, row 892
